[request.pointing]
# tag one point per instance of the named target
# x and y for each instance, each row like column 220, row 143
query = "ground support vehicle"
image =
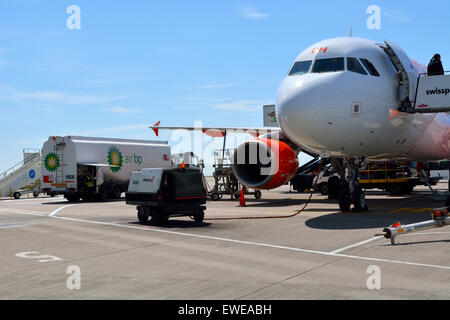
column 164, row 193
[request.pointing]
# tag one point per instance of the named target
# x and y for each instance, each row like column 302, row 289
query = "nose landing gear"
column 350, row 191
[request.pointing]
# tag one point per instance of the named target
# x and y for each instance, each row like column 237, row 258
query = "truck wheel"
column 395, row 189
column 199, row 217
column 116, row 192
column 35, row 194
column 17, row 195
column 408, row 189
column 258, row 194
column 143, row 214
column 143, row 219
column 323, row 188
column 215, row 197
column 103, row 193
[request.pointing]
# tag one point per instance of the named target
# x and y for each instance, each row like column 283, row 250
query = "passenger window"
column 300, row 67
column 328, row 65
column 370, row 67
column 353, row 65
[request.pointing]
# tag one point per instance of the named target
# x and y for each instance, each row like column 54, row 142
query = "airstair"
column 418, row 93
column 25, row 175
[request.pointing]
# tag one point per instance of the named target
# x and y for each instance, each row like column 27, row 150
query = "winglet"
column 156, row 130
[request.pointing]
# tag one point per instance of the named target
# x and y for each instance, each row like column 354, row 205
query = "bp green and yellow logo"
column 115, row 159
column 52, row 162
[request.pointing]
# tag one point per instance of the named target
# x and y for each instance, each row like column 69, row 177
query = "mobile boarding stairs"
column 24, row 177
column 418, row 93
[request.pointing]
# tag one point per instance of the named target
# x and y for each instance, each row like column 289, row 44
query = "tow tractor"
column 440, row 218
column 164, row 193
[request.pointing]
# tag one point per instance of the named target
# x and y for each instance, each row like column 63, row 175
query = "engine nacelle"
column 265, row 163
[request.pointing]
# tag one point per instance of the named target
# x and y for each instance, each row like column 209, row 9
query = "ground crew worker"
column 90, row 183
column 435, row 66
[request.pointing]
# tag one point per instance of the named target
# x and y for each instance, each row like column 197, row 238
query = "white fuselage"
column 346, row 114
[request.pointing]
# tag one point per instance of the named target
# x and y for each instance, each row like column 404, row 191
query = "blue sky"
column 133, row 63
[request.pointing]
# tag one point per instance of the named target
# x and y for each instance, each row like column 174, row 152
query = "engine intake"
column 264, row 163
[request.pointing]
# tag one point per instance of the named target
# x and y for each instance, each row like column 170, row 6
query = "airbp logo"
column 51, row 162
column 115, row 159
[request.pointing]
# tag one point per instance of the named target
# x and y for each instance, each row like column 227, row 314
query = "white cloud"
column 121, row 110
column 252, row 13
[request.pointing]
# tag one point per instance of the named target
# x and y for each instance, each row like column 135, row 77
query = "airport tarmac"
column 319, row 254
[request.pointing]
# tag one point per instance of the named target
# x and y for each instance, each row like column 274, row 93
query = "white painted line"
column 258, row 244
column 59, row 209
column 14, row 225
column 330, row 254
column 34, row 213
column 356, row 244
column 30, row 200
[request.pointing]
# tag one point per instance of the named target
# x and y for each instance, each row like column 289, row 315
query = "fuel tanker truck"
column 97, row 168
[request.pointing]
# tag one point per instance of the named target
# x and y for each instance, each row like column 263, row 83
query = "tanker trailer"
column 97, row 168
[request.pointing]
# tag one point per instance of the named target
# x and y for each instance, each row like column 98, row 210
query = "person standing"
column 435, row 66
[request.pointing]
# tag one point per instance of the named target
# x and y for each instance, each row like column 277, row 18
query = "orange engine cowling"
column 264, row 163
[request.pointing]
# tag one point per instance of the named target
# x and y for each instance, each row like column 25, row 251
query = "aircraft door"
column 408, row 74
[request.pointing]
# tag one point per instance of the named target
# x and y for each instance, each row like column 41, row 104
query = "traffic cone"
column 242, row 198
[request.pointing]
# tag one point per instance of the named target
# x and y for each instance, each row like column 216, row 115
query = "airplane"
column 351, row 100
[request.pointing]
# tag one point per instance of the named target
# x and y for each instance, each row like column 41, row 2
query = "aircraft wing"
column 218, row 132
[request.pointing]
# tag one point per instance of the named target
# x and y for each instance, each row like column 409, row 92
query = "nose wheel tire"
column 359, row 199
column 345, row 199
column 333, row 188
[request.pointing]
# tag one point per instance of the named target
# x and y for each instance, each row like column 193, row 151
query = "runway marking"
column 30, row 200
column 323, row 253
column 35, row 213
column 42, row 258
column 59, row 209
column 14, row 225
column 356, row 244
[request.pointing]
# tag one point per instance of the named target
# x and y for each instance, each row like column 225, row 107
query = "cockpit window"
column 353, row 65
column 328, row 65
column 300, row 67
column 370, row 67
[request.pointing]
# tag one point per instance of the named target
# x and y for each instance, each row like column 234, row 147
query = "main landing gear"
column 350, row 191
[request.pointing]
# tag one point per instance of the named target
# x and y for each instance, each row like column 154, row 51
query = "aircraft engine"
column 265, row 163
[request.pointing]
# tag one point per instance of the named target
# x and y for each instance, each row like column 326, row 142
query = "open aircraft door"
column 408, row 81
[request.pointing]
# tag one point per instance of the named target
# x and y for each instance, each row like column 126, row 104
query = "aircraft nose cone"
column 295, row 105
column 301, row 109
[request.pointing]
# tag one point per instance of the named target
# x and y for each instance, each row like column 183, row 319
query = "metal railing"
column 425, row 74
column 11, row 170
